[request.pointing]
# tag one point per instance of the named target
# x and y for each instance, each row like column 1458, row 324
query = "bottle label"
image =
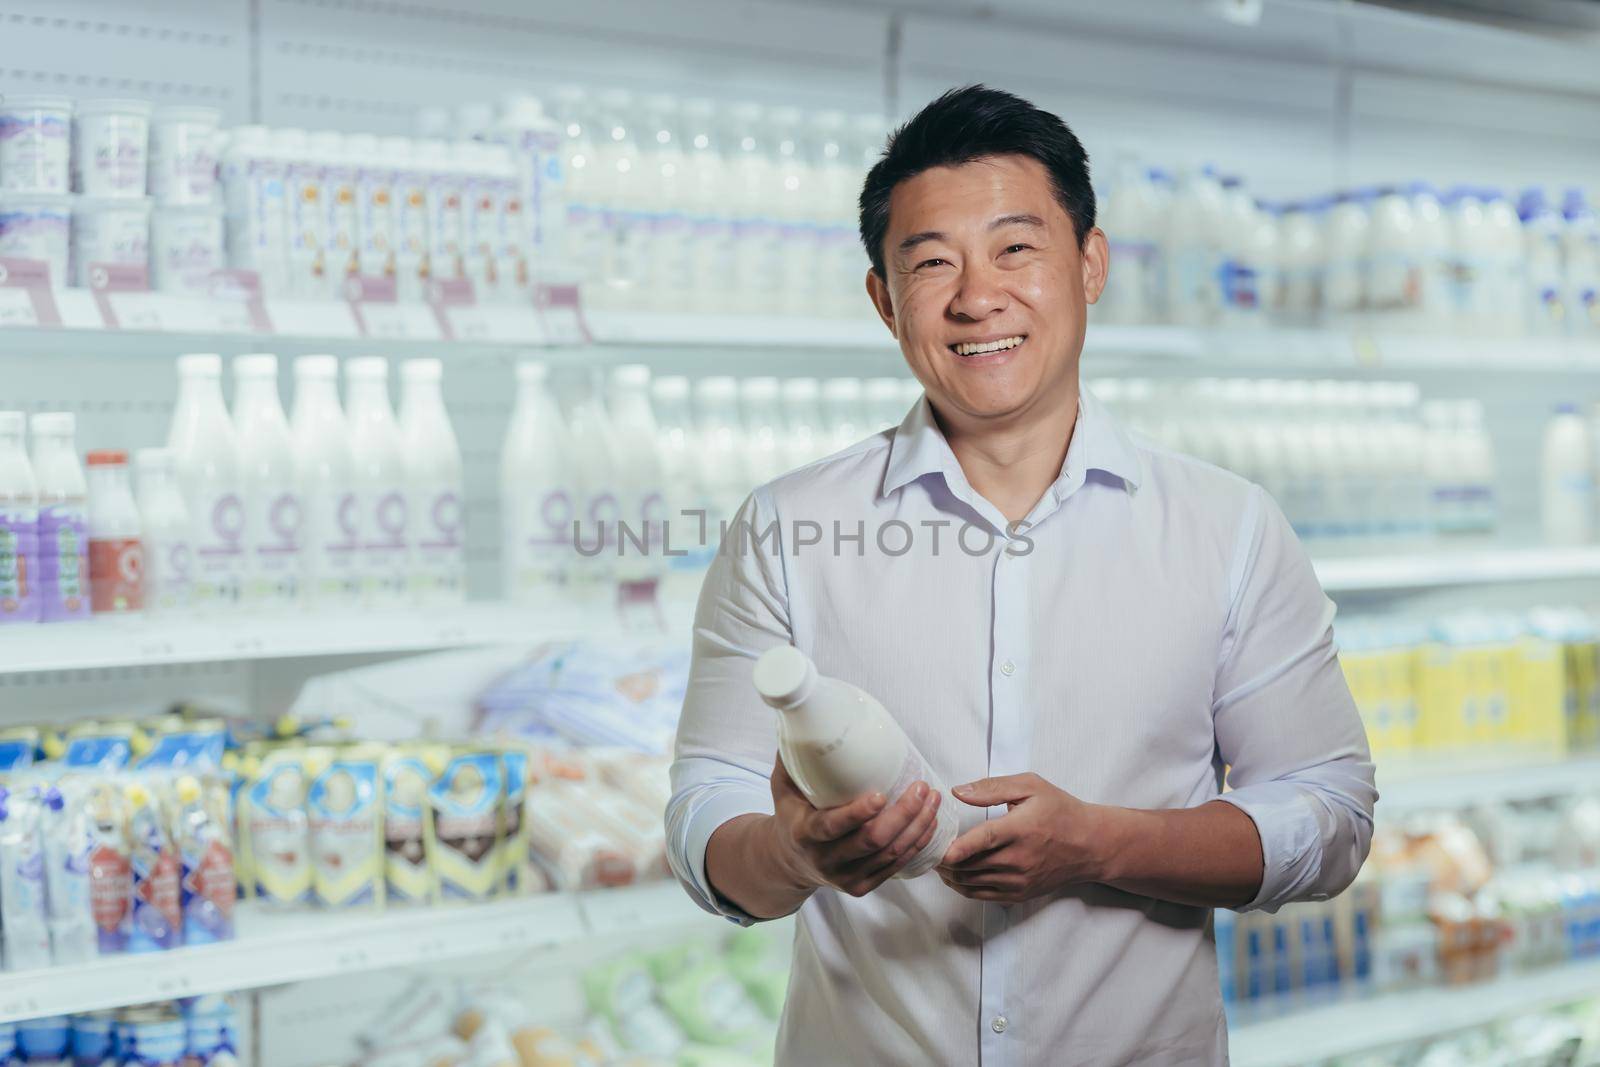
column 19, row 565
column 275, row 549
column 116, row 570
column 384, row 545
column 439, row 541
column 218, row 547
column 63, row 562
column 169, row 574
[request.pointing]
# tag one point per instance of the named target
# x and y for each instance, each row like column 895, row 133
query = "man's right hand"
column 855, row 847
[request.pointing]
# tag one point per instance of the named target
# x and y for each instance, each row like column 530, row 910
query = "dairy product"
column 331, row 532
column 842, row 413
column 711, row 227
column 37, row 226
column 272, row 502
column 594, row 455
column 1431, row 229
column 19, row 525
column 186, row 248
column 410, row 216
column 838, row 743
column 109, row 230
column 639, row 475
column 110, row 147
column 1394, row 262
column 254, row 193
column 305, row 209
column 203, row 439
column 756, row 249
column 63, row 518
column 436, row 510
column 1581, row 256
column 723, row 472
column 763, row 443
column 340, row 207
column 1544, row 292
column 374, row 205
column 377, row 455
column 35, row 144
column 1195, row 239
column 166, row 532
column 344, row 805
column 116, row 555
column 1506, row 312
column 183, row 155
column 537, row 144
column 803, row 440
column 1348, row 247
column 538, row 496
column 1567, row 494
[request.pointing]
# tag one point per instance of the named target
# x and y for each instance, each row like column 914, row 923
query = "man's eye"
column 1016, row 248
column 930, row 263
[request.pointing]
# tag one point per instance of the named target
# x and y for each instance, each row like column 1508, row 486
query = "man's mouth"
column 984, row 348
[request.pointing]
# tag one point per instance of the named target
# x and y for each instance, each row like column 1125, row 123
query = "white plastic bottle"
column 838, row 743
column 166, row 532
column 258, row 217
column 723, row 473
column 1474, row 253
column 803, row 439
column 1476, row 459
column 203, row 439
column 709, row 204
column 1581, row 253
column 377, row 478
column 1249, row 250
column 1301, row 254
column 795, row 210
column 19, row 525
column 331, row 533
column 755, row 248
column 63, row 518
column 763, row 444
column 1347, row 245
column 594, row 455
column 116, row 554
column 639, row 475
column 538, row 497
column 1544, row 287
column 680, row 480
column 1394, row 278
column 1194, row 294
column 1121, row 214
column 1567, row 497
column 666, row 275
column 434, row 485
column 844, row 419
column 1435, row 303
column 621, row 191
column 1507, row 261
column 274, row 513
column 537, row 145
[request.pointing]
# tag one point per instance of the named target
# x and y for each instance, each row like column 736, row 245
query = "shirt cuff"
column 693, row 835
column 1291, row 840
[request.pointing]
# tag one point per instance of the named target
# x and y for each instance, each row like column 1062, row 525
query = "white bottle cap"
column 758, row 390
column 801, row 390
column 716, row 388
column 316, row 367
column 362, row 145
column 784, row 676
column 421, row 370
column 672, row 387
column 200, row 365
column 255, row 365
column 52, row 423
column 366, row 368
column 155, row 459
column 531, row 371
column 630, row 376
column 13, row 422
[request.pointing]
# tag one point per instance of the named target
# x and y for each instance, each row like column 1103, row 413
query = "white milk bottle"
column 1544, row 297
column 1435, row 304
column 1394, row 279
column 575, row 256
column 1123, row 216
column 434, row 485
column 1246, row 246
column 1473, row 254
column 710, row 207
column 63, row 518
column 844, row 420
column 796, row 210
column 755, row 245
column 1475, row 449
column 538, row 498
column 838, row 743
column 536, row 141
column 594, row 457
column 1194, row 296
column 19, row 525
column 378, row 480
column 1301, row 253
column 340, row 207
column 680, row 480
column 1347, row 245
column 1581, row 253
column 666, row 275
column 203, row 439
column 164, row 520
column 723, row 471
column 1507, row 257
column 1567, row 498
column 272, row 505
column 763, row 445
column 331, row 535
column 639, row 474
column 306, row 205
column 803, row 437
column 620, row 187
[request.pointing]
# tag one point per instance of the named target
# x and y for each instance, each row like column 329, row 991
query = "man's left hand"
column 1048, row 839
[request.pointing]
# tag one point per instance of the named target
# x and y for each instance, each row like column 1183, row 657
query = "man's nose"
column 980, row 293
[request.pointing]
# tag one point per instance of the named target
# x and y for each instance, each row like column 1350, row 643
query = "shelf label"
column 236, row 302
column 119, row 292
column 375, row 304
column 561, row 313
column 454, row 303
column 25, row 295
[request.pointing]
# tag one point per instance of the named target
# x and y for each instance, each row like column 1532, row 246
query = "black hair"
column 967, row 124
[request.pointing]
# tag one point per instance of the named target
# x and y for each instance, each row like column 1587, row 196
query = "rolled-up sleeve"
column 1285, row 722
column 727, row 737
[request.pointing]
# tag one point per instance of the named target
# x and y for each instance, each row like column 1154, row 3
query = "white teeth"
column 967, row 348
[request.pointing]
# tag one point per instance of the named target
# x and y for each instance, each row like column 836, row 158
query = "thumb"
column 987, row 792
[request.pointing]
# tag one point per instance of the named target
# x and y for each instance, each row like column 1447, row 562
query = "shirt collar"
column 919, row 448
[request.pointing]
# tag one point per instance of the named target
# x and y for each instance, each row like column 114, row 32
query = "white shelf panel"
column 278, row 948
column 738, row 331
column 1358, row 1025
column 1423, row 569
column 1462, row 786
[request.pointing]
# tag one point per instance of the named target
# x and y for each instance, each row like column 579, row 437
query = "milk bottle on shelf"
column 594, row 453
column 1194, row 296
column 803, row 437
column 839, row 254
column 620, row 193
column 680, row 479
column 665, row 275
column 434, row 484
column 1474, row 250
column 1544, row 288
column 1476, row 449
column 1567, row 493
column 1507, row 261
column 843, row 417
column 19, row 525
column 577, row 258
column 272, row 504
column 1300, row 253
column 756, row 251
column 1248, row 248
column 204, row 441
column 1435, row 305
column 838, row 742
column 166, row 531
column 116, row 555
column 378, row 482
column 1125, row 215
column 710, row 206
column 535, row 140
column 63, row 577
column 1581, row 253
column 720, row 446
column 758, row 399
column 1347, row 246
column 331, row 533
column 1394, row 279
column 639, row 475
column 538, row 495
column 796, row 210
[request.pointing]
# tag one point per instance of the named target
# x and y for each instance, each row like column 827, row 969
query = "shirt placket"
column 1008, row 754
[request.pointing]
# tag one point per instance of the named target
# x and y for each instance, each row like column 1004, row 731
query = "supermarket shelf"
column 273, row 949
column 1464, row 785
column 1358, row 1025
column 1423, row 570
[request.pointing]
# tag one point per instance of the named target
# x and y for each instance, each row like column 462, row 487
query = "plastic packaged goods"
column 640, row 483
column 255, row 195
column 594, row 460
column 709, row 204
column 408, row 774
column 751, row 172
column 201, row 822
column 187, row 247
column 1505, row 263
column 108, row 231
column 433, row 477
column 1567, row 490
column 465, row 828
column 63, row 574
column 20, row 595
column 804, row 439
column 203, row 439
column 538, row 493
column 23, row 909
column 166, row 532
column 667, row 276
column 410, row 216
column 274, row 513
column 1544, row 289
column 35, row 144
column 720, row 449
column 1133, row 228
column 1300, row 252
column 840, row 256
column 274, row 839
column 537, row 142
column 681, row 486
column 1581, row 256
column 306, row 213
column 110, row 147
column 37, row 226
column 580, row 129
column 183, row 155
column 763, row 443
column 799, row 212
column 1435, row 304
column 831, row 758
column 156, row 905
column 1248, row 246
column 1394, row 263
column 377, row 455
column 1198, row 212
column 116, row 555
column 344, row 807
column 331, row 531
column 618, row 184
column 373, row 175
column 444, row 183
column 1348, row 244
column 340, row 226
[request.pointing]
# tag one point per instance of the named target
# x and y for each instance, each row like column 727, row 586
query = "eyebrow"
column 936, row 235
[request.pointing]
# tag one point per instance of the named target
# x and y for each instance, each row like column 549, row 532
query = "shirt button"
column 998, row 1024
column 1008, row 668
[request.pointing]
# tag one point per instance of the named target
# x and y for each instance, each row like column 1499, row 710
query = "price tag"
column 515, row 325
column 139, row 311
column 467, row 324
column 314, row 318
column 388, row 322
column 26, row 298
column 237, row 305
column 230, row 318
column 16, row 308
column 561, row 313
column 106, row 279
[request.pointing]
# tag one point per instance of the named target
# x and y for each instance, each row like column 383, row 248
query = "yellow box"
column 1539, row 705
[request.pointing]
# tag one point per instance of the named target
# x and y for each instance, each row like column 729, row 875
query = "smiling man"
column 1084, row 629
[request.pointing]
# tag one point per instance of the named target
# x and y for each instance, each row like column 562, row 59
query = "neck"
column 1013, row 464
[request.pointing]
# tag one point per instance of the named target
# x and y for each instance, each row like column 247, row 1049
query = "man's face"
column 983, row 255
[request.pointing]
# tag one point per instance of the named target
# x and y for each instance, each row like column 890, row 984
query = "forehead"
column 973, row 193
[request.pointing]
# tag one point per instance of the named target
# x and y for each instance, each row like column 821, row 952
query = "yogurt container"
column 183, row 155
column 108, row 230
column 111, row 147
column 35, row 144
column 37, row 226
column 186, row 247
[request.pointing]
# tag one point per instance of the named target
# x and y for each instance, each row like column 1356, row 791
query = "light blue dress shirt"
column 1151, row 622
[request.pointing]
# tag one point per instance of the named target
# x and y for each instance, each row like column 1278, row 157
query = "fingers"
column 876, row 836
column 985, row 837
column 1008, row 789
column 904, row 847
column 831, row 824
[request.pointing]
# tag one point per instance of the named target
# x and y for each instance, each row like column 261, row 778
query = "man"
column 1084, row 629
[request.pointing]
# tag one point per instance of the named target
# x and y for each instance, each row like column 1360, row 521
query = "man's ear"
column 1096, row 256
column 878, row 290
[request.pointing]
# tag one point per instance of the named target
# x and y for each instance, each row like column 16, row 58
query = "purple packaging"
column 63, row 562
column 19, row 565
